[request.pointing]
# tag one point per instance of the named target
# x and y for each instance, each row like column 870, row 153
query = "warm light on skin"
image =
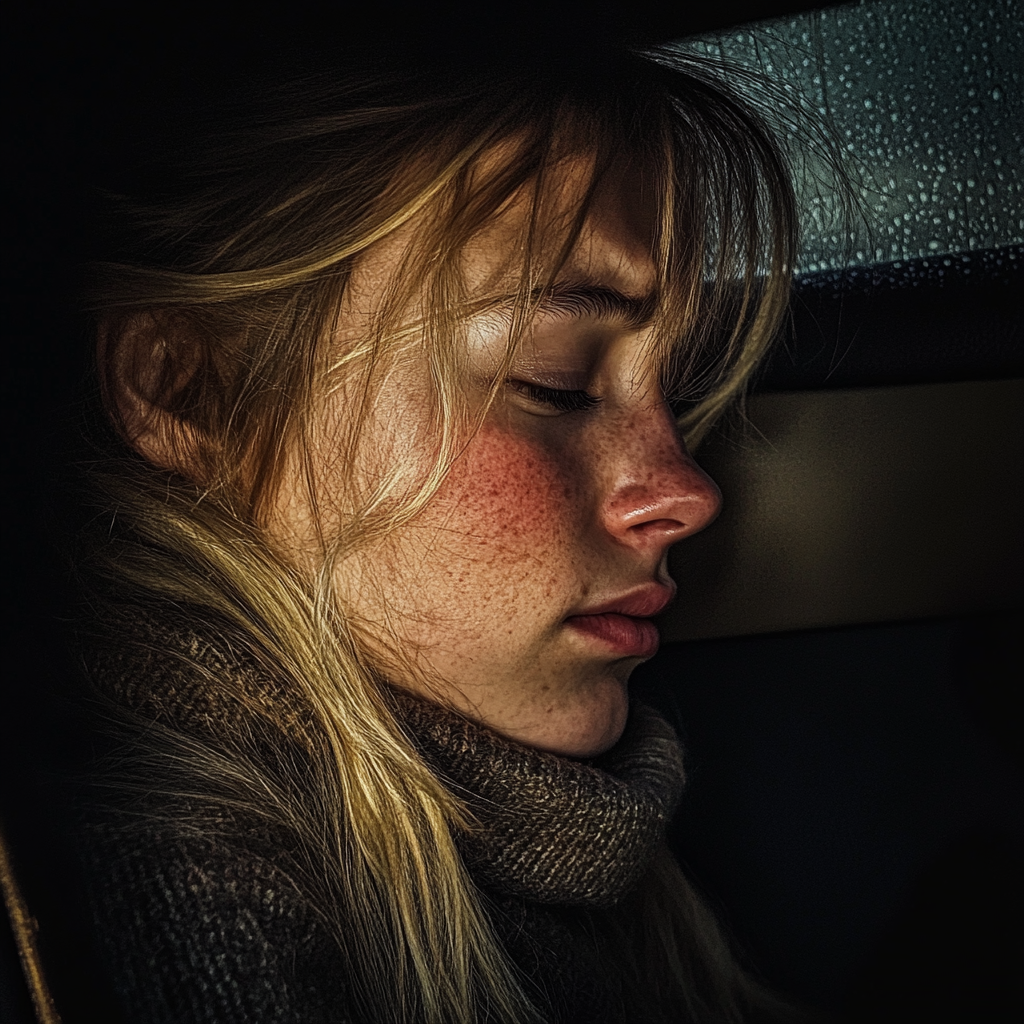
column 490, row 595
column 546, row 514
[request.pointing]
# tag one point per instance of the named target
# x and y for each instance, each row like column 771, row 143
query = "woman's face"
column 523, row 593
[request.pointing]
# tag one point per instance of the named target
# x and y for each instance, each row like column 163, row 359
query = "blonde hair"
column 243, row 264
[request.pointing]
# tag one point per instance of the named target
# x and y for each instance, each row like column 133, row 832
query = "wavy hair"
column 238, row 255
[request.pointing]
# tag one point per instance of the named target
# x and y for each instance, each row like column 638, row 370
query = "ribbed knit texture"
column 197, row 912
column 557, row 830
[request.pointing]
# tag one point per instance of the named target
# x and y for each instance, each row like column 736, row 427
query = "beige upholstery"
column 857, row 506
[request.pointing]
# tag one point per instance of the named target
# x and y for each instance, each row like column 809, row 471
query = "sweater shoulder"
column 198, row 921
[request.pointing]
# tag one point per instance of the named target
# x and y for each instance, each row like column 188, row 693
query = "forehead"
column 615, row 244
column 613, row 250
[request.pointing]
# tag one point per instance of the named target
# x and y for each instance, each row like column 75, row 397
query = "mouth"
column 629, row 636
column 624, row 624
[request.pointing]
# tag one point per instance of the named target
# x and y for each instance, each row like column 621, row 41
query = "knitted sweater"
column 197, row 909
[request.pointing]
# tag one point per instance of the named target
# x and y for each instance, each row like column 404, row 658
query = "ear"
column 145, row 360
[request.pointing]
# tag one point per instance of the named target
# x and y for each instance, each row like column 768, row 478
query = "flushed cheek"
column 511, row 503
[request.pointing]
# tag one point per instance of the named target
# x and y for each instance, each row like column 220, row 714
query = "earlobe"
column 145, row 361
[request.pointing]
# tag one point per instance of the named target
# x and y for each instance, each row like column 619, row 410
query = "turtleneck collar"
column 550, row 829
column 553, row 829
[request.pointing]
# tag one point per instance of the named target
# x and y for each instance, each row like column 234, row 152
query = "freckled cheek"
column 508, row 491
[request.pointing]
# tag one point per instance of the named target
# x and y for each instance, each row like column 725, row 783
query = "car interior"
column 844, row 658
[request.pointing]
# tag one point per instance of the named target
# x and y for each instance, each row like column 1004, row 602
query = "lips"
column 624, row 624
column 631, row 637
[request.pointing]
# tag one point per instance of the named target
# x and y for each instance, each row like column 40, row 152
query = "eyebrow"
column 601, row 302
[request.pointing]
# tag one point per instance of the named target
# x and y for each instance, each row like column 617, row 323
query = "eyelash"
column 562, row 399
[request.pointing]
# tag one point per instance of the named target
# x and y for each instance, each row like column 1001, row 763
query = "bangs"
column 723, row 241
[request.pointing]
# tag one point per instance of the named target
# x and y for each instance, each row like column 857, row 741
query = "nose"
column 657, row 494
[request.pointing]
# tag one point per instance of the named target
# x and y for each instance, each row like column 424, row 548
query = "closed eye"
column 559, row 399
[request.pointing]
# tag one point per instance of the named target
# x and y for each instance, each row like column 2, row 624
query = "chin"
column 584, row 728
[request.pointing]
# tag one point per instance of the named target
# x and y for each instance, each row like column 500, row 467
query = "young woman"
column 401, row 365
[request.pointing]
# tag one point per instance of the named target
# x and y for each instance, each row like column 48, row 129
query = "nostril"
column 666, row 528
column 684, row 523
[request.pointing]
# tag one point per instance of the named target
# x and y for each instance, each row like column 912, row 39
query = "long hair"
column 239, row 251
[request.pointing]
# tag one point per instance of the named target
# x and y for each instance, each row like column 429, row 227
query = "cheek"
column 509, row 493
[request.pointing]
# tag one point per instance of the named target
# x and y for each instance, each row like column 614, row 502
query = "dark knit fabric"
column 557, row 830
column 196, row 905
